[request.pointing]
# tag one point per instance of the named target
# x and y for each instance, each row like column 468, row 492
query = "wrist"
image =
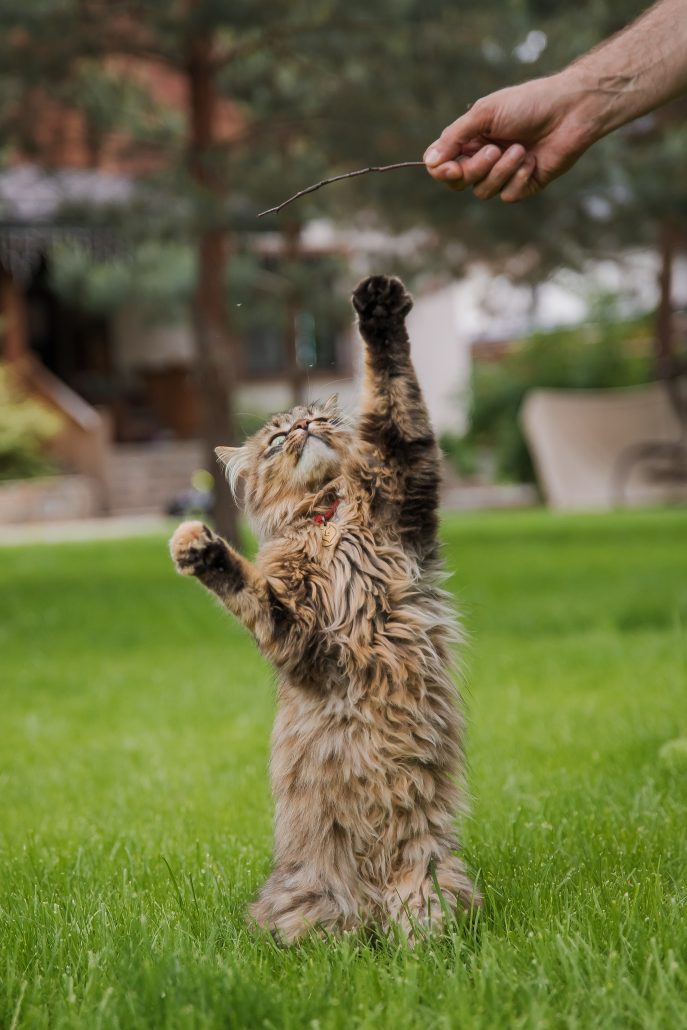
column 589, row 114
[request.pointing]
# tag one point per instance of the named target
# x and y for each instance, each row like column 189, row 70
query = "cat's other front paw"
column 381, row 301
column 197, row 551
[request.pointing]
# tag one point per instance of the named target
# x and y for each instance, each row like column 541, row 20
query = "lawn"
column 135, row 809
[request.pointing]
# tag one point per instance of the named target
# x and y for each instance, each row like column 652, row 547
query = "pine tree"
column 319, row 88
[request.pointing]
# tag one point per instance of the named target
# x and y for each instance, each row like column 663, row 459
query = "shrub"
column 460, row 451
column 599, row 356
column 26, row 425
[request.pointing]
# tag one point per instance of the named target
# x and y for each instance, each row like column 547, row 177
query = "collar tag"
column 329, row 530
column 329, row 534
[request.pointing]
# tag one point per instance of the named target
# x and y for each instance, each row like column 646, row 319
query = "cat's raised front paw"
column 196, row 550
column 381, row 299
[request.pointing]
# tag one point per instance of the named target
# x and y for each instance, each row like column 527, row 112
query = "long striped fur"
column 367, row 746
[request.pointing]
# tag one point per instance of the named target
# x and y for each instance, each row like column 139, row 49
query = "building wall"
column 441, row 354
column 164, row 355
column 138, row 344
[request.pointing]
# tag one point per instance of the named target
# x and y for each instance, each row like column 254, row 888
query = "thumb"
column 450, row 144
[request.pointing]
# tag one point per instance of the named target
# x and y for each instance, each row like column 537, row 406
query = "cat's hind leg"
column 292, row 906
column 413, row 901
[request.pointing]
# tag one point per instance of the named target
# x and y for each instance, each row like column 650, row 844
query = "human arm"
column 516, row 141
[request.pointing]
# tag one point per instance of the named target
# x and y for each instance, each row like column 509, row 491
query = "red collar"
column 328, row 515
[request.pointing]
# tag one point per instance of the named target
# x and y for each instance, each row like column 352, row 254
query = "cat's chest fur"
column 368, row 604
column 325, row 566
column 369, row 700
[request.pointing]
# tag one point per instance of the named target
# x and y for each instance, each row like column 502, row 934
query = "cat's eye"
column 278, row 440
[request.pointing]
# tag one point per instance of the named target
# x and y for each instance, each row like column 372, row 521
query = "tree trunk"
column 14, row 344
column 664, row 316
column 215, row 346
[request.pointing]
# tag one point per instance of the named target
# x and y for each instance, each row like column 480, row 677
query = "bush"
column 26, row 425
column 461, row 452
column 600, row 356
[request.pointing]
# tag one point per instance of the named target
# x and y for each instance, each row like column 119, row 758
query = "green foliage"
column 316, row 90
column 155, row 275
column 261, row 291
column 136, row 816
column 460, row 451
column 113, row 102
column 319, row 89
column 26, row 425
column 606, row 354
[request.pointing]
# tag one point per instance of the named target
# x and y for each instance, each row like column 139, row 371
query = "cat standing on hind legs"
column 345, row 600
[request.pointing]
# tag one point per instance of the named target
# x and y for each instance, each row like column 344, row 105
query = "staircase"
column 142, row 478
column 82, row 444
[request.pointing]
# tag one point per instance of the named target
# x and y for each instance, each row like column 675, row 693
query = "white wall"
column 441, row 354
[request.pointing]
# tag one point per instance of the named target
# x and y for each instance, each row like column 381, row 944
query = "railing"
column 83, row 443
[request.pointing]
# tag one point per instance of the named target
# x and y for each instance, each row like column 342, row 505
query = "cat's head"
column 294, row 455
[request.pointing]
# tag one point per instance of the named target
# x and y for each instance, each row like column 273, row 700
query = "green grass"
column 135, row 810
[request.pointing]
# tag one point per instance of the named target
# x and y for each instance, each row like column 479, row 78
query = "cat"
column 345, row 600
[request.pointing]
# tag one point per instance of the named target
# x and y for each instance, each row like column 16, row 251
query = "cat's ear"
column 225, row 455
column 331, row 405
column 235, row 463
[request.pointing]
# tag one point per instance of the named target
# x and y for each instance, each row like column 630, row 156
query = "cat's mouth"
column 306, row 439
column 315, row 459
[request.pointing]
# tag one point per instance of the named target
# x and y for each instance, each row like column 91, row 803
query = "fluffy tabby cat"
column 344, row 599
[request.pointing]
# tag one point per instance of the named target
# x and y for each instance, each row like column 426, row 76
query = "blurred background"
column 147, row 314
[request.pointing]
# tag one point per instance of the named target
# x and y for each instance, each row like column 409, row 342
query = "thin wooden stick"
column 337, row 178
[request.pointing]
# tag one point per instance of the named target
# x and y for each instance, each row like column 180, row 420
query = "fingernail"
column 432, row 156
column 491, row 153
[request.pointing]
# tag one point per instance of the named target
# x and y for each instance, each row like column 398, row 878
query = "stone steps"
column 142, row 478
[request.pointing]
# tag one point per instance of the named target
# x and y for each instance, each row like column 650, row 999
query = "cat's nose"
column 301, row 424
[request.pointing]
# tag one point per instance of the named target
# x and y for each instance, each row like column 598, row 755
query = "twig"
column 337, row 178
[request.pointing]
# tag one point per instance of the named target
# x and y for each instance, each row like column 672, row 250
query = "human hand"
column 516, row 141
